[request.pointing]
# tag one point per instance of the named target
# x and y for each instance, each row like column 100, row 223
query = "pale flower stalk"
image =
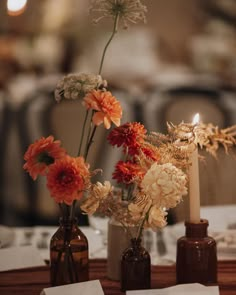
column 75, row 86
column 129, row 11
column 126, row 11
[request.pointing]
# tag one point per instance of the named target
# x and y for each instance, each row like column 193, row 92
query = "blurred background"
column 181, row 62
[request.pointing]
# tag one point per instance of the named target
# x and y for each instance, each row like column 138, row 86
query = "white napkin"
column 20, row 257
column 185, row 289
column 85, row 288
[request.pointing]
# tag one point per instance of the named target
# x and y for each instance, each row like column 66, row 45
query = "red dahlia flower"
column 129, row 135
column 127, row 172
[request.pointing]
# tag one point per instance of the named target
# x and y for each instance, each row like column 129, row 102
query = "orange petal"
column 98, row 118
column 107, row 122
column 116, row 121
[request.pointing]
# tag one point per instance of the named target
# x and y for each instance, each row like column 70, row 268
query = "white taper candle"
column 194, row 187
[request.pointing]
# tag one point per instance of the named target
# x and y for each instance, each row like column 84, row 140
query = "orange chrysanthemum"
column 41, row 154
column 107, row 107
column 129, row 135
column 67, row 178
column 127, row 172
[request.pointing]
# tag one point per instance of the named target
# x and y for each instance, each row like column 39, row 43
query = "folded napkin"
column 85, row 288
column 20, row 257
column 185, row 289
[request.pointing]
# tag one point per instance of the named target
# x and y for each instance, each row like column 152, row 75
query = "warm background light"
column 16, row 7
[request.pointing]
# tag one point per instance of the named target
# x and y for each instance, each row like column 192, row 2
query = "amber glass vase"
column 135, row 267
column 196, row 260
column 68, row 254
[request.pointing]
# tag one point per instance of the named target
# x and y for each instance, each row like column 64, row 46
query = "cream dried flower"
column 74, row 86
column 156, row 218
column 98, row 194
column 165, row 184
column 139, row 208
column 142, row 209
column 129, row 11
column 207, row 136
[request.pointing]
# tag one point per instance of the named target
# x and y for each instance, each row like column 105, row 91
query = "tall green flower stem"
column 115, row 29
column 72, row 210
column 90, row 141
column 67, row 210
column 83, row 132
column 90, row 137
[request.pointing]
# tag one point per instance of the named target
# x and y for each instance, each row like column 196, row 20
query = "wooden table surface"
column 32, row 281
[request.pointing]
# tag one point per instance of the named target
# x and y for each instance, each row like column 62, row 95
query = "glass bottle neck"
column 136, row 243
column 67, row 222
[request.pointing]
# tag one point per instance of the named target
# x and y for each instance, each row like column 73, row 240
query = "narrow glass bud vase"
column 68, row 254
column 135, row 267
column 196, row 260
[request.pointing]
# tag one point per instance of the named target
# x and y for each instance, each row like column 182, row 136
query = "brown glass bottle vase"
column 135, row 267
column 68, row 254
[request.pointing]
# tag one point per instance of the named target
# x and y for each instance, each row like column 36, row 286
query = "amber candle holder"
column 196, row 260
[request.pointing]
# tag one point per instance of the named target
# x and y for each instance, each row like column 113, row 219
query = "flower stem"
column 88, row 135
column 68, row 265
column 90, row 142
column 140, row 230
column 57, row 267
column 72, row 212
column 61, row 208
column 115, row 28
column 67, row 212
column 127, row 229
column 73, row 265
column 83, row 132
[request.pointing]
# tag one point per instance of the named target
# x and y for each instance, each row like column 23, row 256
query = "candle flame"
column 196, row 119
column 16, row 7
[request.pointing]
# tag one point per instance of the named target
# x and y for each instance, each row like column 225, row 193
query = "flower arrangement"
column 151, row 176
column 69, row 178
column 149, row 160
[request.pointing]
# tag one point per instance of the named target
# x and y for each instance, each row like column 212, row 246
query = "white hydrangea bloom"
column 165, row 184
column 74, row 86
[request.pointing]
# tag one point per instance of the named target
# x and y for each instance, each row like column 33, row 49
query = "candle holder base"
column 196, row 260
